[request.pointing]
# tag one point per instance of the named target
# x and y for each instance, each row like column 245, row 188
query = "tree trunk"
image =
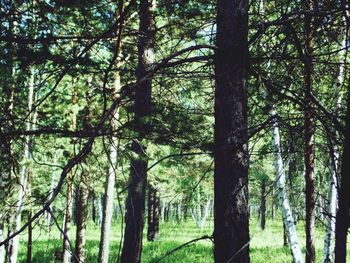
column 263, row 204
column 82, row 214
column 282, row 194
column 67, row 254
column 205, row 213
column 153, row 214
column 231, row 220
column 285, row 236
column 108, row 204
column 135, row 204
column 329, row 242
column 309, row 131
column 342, row 218
column 14, row 244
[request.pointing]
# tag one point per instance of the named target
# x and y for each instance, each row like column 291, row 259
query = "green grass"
column 265, row 246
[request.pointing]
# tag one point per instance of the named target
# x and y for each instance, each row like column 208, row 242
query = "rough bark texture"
column 135, row 204
column 309, row 131
column 231, row 228
column 282, row 193
column 153, row 214
column 82, row 213
column 342, row 219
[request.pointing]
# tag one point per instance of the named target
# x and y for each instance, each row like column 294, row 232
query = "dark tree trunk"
column 342, row 219
column 135, row 203
column 285, row 236
column 309, row 131
column 231, row 220
column 263, row 204
column 82, row 215
column 153, row 214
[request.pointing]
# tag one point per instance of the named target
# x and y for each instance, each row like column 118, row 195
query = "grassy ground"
column 266, row 246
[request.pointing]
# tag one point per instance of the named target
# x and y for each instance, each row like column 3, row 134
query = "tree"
column 135, row 204
column 231, row 216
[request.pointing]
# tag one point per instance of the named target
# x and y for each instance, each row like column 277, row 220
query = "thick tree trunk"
column 153, row 214
column 82, row 214
column 231, row 220
column 282, row 194
column 135, row 204
column 263, row 204
column 342, row 219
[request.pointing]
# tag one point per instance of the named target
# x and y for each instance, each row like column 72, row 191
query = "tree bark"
column 342, row 218
column 282, row 194
column 135, row 204
column 82, row 214
column 309, row 131
column 231, row 220
column 153, row 214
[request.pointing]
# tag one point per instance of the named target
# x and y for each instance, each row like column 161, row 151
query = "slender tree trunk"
column 285, row 236
column 153, row 214
column 231, row 220
column 205, row 213
column 263, row 204
column 67, row 254
column 309, row 131
column 25, row 170
column 108, row 204
column 342, row 218
column 282, row 194
column 135, row 204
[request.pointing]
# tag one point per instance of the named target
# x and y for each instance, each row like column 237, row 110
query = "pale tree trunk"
column 282, row 193
column 108, row 204
column 231, row 216
column 14, row 245
column 52, row 185
column 135, row 203
column 329, row 241
column 67, row 254
column 2, row 248
column 205, row 213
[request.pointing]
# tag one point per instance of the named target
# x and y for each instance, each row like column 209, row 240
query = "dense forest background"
column 174, row 131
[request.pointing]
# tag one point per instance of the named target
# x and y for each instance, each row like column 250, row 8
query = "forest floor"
column 265, row 246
